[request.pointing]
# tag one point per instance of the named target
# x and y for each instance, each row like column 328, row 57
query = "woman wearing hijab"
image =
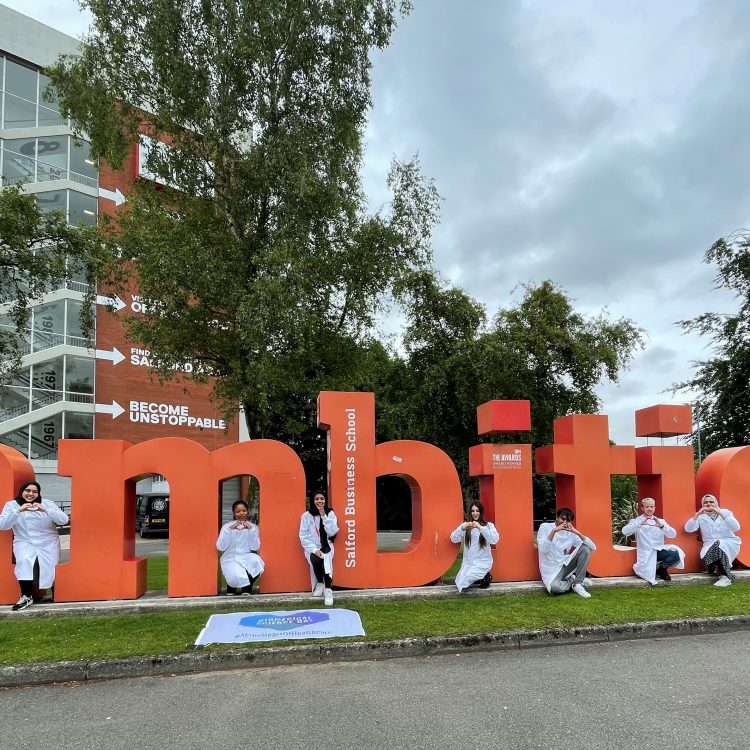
column 477, row 535
column 720, row 543
column 34, row 522
column 239, row 541
column 654, row 557
column 317, row 530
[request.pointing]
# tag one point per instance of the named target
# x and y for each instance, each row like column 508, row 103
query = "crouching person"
column 239, row 541
column 653, row 556
column 563, row 555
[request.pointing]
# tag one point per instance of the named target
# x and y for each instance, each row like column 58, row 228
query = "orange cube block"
column 500, row 415
column 664, row 420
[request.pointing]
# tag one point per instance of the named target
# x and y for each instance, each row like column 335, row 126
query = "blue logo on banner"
column 284, row 622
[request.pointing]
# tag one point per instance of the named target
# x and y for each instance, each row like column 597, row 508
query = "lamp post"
column 696, row 408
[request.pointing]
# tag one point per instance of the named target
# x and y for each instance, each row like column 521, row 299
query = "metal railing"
column 38, row 398
column 35, row 170
column 34, row 340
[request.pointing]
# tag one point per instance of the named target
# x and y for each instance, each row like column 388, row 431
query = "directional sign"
column 113, row 301
column 112, row 195
column 114, row 409
column 115, row 355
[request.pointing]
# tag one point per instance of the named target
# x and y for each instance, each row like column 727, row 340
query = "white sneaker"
column 318, row 590
column 723, row 581
column 581, row 591
column 328, row 597
column 22, row 603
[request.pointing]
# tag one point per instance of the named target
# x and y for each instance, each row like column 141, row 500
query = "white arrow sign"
column 114, row 301
column 114, row 409
column 115, row 356
column 112, row 195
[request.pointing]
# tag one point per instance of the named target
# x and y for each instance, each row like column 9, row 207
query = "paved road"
column 671, row 693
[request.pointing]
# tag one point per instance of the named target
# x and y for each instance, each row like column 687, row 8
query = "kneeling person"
column 653, row 556
column 239, row 540
column 563, row 555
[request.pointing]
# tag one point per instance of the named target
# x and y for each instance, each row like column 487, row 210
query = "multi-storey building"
column 55, row 394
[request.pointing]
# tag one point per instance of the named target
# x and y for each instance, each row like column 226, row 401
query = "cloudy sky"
column 602, row 144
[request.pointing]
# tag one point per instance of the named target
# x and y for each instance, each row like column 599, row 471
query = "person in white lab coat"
column 239, row 541
column 477, row 535
column 317, row 530
column 36, row 543
column 563, row 555
column 720, row 542
column 653, row 556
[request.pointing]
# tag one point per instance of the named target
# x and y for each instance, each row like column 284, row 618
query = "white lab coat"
column 717, row 530
column 552, row 555
column 239, row 558
column 309, row 538
column 35, row 538
column 649, row 540
column 477, row 560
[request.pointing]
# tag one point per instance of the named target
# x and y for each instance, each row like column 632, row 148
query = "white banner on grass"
column 248, row 627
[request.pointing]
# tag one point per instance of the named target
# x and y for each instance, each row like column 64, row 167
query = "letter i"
column 505, row 488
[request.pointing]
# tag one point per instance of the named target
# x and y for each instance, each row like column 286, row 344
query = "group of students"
column 239, row 542
column 564, row 551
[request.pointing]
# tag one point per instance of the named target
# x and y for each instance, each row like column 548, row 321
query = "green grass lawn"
column 58, row 639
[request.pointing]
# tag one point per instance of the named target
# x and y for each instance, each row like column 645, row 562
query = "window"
column 81, row 161
column 79, row 374
column 44, row 437
column 82, row 209
column 48, row 375
column 79, row 426
column 53, row 200
column 21, row 81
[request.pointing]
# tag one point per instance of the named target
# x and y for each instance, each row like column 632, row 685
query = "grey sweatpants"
column 572, row 573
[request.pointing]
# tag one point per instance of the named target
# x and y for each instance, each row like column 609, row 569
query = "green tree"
column 540, row 349
column 263, row 267
column 38, row 252
column 722, row 382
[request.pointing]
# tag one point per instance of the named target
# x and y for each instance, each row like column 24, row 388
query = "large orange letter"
column 726, row 474
column 281, row 478
column 666, row 473
column 583, row 462
column 193, row 510
column 505, row 489
column 354, row 463
column 102, row 525
column 15, row 469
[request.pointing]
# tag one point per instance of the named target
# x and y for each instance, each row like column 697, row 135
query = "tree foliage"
column 38, row 252
column 539, row 349
column 723, row 381
column 263, row 267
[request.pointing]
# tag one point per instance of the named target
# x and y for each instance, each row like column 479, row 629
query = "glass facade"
column 58, row 365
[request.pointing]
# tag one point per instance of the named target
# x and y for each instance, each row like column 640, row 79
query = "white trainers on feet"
column 581, row 591
column 318, row 590
column 328, row 598
column 723, row 581
column 22, row 603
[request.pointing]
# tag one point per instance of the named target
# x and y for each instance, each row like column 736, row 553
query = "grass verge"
column 97, row 637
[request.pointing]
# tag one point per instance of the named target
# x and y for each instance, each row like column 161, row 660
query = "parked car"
column 151, row 513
